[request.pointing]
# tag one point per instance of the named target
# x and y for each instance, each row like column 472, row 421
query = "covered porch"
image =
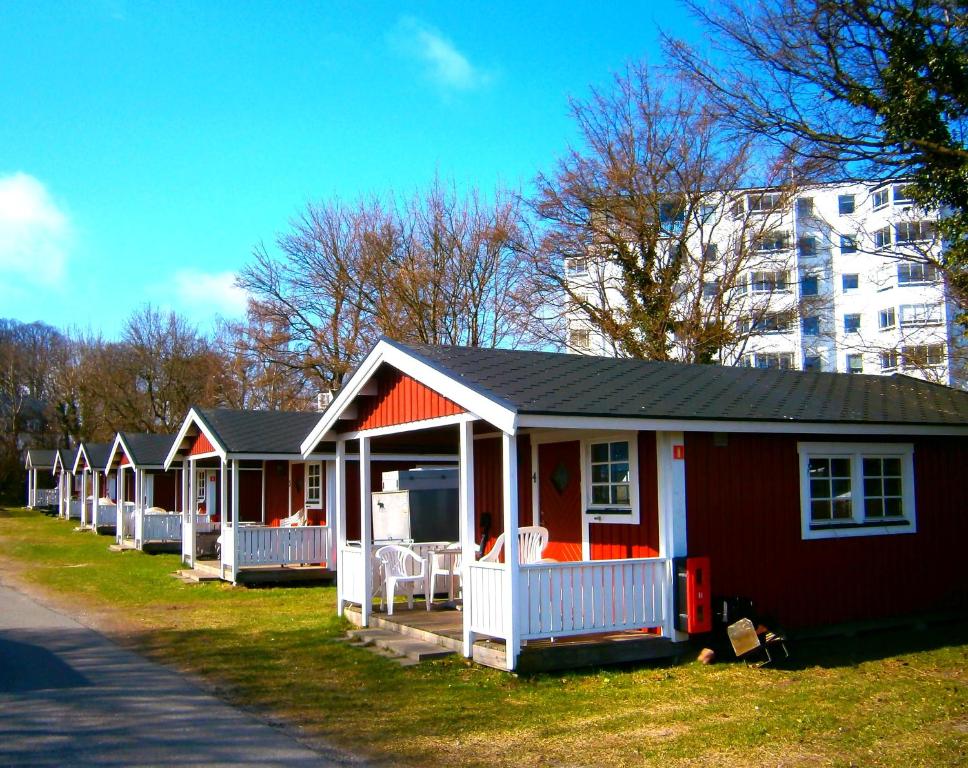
column 611, row 500
column 98, row 487
column 252, row 515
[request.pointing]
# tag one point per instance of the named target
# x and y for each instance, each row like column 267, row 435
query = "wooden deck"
column 444, row 626
column 268, row 574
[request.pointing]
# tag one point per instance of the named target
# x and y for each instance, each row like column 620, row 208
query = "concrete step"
column 398, row 645
column 194, row 577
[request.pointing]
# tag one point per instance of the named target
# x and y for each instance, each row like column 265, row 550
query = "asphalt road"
column 71, row 697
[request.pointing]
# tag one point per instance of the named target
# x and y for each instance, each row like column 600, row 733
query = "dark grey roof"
column 67, row 457
column 578, row 385
column 146, row 449
column 40, row 458
column 259, row 431
column 98, row 454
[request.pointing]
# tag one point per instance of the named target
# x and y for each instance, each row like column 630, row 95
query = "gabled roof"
column 38, row 458
column 64, row 459
column 250, row 433
column 143, row 449
column 512, row 389
column 95, row 454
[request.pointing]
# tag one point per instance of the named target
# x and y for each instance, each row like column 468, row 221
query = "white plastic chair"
column 297, row 518
column 394, row 559
column 444, row 563
column 532, row 540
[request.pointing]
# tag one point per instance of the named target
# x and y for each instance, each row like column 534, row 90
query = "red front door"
column 559, row 496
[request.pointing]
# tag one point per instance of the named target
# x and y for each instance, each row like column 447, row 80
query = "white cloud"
column 205, row 292
column 35, row 233
column 445, row 65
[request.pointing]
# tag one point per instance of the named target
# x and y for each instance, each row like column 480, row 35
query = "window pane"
column 892, row 467
column 620, row 473
column 820, row 510
column 872, row 467
column 840, row 467
column 892, row 486
column 819, row 467
column 892, row 508
column 873, row 508
column 599, row 452
column 620, row 494
column 599, row 494
column 872, row 486
column 842, row 509
column 820, row 489
column 619, row 451
column 841, row 488
column 599, row 473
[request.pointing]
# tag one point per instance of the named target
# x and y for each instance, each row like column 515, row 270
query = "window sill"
column 852, row 530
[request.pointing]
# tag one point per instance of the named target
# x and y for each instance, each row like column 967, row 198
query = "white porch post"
column 512, row 569
column 223, row 509
column 33, row 488
column 83, row 497
column 340, row 511
column 467, row 527
column 184, row 487
column 63, row 493
column 235, row 519
column 189, row 514
column 332, row 555
column 366, row 530
column 672, row 519
column 119, row 505
column 95, row 495
column 138, row 502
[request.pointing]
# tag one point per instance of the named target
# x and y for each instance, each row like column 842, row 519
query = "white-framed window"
column 850, row 282
column 314, row 485
column 886, row 318
column 845, row 205
column 917, row 356
column 201, row 477
column 855, row 363
column 809, row 284
column 913, row 231
column 848, row 243
column 920, row 314
column 805, row 206
column 580, row 338
column 781, row 360
column 769, row 282
column 889, row 360
column 882, row 197
column 772, row 322
column 764, row 203
column 807, row 245
column 710, row 253
column 576, row 266
column 902, row 193
column 611, row 478
column 882, row 237
column 916, row 273
column 852, row 323
column 771, row 242
column 856, row 489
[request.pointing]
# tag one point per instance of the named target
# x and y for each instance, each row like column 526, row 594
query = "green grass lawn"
column 881, row 699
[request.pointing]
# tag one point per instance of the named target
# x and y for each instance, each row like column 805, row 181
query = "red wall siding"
column 277, row 488
column 610, row 541
column 165, row 490
column 488, row 496
column 743, row 504
column 200, row 444
column 401, row 399
column 125, row 461
column 250, row 496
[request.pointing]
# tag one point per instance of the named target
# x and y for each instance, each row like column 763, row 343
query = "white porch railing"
column 126, row 519
column 262, row 545
column 484, row 590
column 74, row 509
column 350, row 581
column 104, row 514
column 45, row 497
column 160, row 527
column 559, row 599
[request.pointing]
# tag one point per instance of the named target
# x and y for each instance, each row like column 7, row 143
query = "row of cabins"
column 822, row 498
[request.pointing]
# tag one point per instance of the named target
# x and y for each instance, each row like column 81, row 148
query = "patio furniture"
column 532, row 541
column 394, row 560
column 295, row 519
column 444, row 561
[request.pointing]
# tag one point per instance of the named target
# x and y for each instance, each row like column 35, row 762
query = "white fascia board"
column 764, row 427
column 190, row 419
column 80, row 452
column 498, row 414
column 411, row 426
column 124, row 448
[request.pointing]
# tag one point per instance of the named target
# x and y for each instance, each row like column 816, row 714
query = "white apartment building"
column 835, row 277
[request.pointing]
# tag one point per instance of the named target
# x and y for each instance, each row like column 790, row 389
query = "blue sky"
column 145, row 148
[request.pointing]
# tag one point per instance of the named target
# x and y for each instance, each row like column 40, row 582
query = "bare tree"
column 437, row 268
column 877, row 88
column 638, row 239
